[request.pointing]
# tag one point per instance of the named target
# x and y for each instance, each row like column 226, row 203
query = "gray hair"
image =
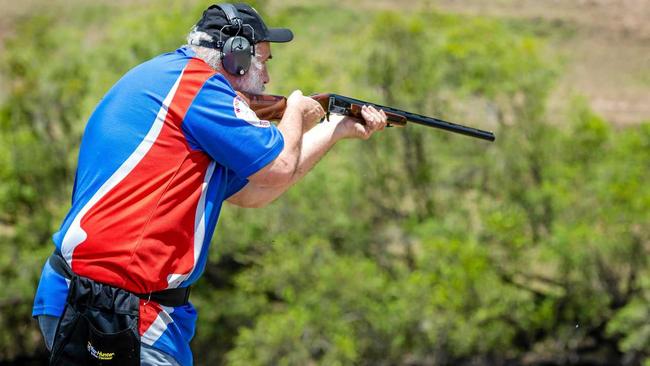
column 250, row 83
column 210, row 56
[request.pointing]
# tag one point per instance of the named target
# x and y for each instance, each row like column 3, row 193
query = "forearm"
column 291, row 127
column 315, row 144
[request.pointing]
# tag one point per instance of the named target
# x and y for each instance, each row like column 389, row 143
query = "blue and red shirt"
column 161, row 152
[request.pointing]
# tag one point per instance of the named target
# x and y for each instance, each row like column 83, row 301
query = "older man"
column 163, row 149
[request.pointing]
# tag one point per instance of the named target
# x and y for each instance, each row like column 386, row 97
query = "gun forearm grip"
column 393, row 118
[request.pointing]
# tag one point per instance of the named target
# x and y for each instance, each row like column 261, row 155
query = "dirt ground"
column 608, row 56
column 607, row 53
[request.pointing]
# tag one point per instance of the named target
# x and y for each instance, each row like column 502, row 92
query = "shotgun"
column 271, row 108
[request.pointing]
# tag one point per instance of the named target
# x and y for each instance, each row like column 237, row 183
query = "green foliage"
column 301, row 328
column 415, row 247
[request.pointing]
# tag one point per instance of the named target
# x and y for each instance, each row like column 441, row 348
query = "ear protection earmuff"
column 237, row 51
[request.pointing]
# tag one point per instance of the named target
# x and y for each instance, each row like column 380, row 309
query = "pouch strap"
column 171, row 297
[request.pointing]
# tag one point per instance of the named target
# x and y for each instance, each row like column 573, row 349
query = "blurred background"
column 417, row 247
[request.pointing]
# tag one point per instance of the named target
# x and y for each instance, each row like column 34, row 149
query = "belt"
column 170, row 297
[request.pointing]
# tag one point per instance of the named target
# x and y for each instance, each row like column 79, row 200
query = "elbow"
column 281, row 174
column 248, row 202
column 286, row 170
column 256, row 203
column 285, row 177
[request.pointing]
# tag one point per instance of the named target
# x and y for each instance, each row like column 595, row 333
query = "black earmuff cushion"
column 236, row 55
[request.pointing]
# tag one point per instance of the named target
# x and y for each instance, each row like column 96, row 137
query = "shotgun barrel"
column 345, row 105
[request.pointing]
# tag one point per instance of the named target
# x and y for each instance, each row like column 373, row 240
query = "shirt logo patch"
column 243, row 111
column 104, row 356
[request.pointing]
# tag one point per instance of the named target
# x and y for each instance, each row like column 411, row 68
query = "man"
column 164, row 148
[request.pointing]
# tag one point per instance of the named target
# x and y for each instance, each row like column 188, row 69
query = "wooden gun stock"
column 267, row 107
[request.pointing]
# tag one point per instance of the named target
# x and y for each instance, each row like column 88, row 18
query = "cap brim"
column 279, row 35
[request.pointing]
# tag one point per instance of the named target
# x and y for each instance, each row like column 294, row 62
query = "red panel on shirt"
column 149, row 311
column 143, row 229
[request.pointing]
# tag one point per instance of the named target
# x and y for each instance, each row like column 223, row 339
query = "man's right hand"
column 310, row 110
column 301, row 115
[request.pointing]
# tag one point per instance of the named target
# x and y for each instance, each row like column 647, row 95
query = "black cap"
column 214, row 19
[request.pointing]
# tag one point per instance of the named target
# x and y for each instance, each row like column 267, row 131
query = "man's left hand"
column 373, row 120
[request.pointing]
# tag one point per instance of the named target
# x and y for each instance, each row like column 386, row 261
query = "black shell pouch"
column 99, row 326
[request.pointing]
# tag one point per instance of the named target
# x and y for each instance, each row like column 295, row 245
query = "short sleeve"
column 234, row 185
column 222, row 125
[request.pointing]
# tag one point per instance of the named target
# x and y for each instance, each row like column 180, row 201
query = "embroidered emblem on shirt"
column 243, row 111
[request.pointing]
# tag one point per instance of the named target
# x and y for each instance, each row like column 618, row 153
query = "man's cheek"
column 253, row 83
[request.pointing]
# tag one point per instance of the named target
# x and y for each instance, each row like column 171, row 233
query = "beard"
column 252, row 82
